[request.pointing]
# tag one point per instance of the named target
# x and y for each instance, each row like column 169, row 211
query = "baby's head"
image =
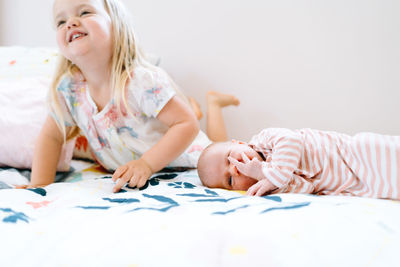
column 216, row 171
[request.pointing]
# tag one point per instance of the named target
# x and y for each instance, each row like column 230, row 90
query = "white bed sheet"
column 176, row 221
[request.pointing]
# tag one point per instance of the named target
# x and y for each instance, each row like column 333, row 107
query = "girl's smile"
column 78, row 20
column 76, row 35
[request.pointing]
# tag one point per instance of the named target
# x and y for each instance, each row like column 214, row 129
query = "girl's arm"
column 182, row 129
column 46, row 154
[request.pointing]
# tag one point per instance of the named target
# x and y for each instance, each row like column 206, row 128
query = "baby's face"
column 222, row 173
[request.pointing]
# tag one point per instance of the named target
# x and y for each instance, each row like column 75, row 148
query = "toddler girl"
column 127, row 109
column 305, row 161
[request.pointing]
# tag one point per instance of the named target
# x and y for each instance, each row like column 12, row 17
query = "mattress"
column 175, row 221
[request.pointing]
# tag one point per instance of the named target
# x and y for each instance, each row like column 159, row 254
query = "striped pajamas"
column 330, row 163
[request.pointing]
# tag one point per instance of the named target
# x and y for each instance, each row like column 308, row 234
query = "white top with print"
column 116, row 138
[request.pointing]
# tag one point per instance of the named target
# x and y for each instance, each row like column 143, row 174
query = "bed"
column 174, row 220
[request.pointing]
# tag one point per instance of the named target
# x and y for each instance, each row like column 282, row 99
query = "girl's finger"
column 121, row 183
column 117, row 174
column 132, row 182
column 142, row 182
column 25, row 186
column 123, row 179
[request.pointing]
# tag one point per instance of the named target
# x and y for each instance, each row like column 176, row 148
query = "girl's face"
column 83, row 27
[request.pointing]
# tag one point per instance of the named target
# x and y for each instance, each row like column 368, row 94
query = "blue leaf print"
column 155, row 209
column 273, row 198
column 172, row 203
column 121, row 200
column 15, row 216
column 295, row 206
column 210, row 192
column 121, row 191
column 167, row 176
column 142, row 188
column 194, row 195
column 154, row 182
column 230, row 211
column 94, row 207
column 162, row 199
column 39, row 191
column 182, row 185
column 216, row 199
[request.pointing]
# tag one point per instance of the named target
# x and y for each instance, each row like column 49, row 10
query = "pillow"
column 25, row 76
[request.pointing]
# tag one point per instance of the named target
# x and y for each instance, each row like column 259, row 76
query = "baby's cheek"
column 245, row 183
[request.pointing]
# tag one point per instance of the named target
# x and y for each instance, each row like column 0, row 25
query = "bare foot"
column 196, row 108
column 222, row 100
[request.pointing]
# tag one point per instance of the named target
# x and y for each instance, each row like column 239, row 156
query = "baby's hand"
column 260, row 188
column 251, row 168
column 135, row 172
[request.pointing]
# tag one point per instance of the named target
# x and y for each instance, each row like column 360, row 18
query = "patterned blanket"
column 175, row 221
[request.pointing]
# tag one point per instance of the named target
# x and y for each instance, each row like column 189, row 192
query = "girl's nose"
column 72, row 22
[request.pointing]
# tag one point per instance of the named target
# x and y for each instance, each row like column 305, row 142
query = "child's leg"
column 216, row 130
column 196, row 108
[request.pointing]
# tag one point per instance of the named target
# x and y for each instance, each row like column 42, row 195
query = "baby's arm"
column 286, row 147
column 183, row 128
column 47, row 153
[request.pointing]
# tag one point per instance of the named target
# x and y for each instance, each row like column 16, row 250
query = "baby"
column 305, row 161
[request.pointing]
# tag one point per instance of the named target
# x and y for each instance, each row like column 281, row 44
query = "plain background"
column 331, row 65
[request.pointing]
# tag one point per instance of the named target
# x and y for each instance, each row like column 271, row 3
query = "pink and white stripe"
column 321, row 162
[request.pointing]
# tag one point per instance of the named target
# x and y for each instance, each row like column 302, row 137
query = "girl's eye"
column 61, row 22
column 230, row 181
column 85, row 13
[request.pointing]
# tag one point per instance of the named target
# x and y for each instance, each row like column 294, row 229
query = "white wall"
column 323, row 64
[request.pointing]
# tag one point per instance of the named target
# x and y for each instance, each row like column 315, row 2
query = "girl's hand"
column 251, row 168
column 23, row 186
column 27, row 186
column 135, row 172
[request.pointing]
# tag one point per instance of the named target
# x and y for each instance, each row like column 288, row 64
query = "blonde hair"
column 125, row 57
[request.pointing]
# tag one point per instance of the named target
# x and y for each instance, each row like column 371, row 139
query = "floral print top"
column 117, row 138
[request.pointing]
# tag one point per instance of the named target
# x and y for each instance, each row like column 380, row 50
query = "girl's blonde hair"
column 125, row 57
